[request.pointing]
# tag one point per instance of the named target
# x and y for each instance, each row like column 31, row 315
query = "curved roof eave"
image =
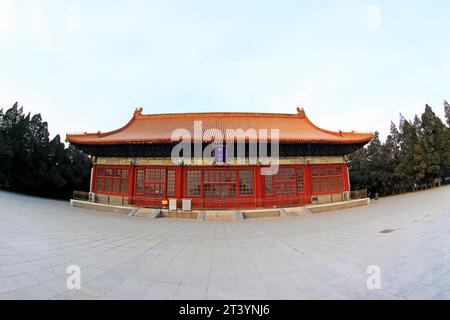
column 298, row 128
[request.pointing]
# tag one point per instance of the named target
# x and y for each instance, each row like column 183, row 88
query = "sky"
column 352, row 65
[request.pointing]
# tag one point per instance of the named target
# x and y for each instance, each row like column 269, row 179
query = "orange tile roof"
column 293, row 128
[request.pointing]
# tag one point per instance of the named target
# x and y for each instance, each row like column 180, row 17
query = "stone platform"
column 222, row 215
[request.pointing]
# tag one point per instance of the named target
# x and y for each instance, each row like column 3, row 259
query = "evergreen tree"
column 391, row 149
column 447, row 112
column 56, row 164
column 375, row 156
column 37, row 140
column 15, row 166
column 358, row 169
column 434, row 142
column 77, row 169
column 5, row 152
column 417, row 154
column 31, row 163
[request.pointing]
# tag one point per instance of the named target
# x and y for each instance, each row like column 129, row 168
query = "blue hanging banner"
column 220, row 154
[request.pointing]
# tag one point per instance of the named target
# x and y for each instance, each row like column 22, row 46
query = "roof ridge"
column 262, row 114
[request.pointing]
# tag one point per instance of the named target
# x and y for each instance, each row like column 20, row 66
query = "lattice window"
column 151, row 182
column 315, row 172
column 124, row 181
column 332, row 183
column 170, row 183
column 140, row 181
column 246, row 182
column 300, row 180
column 194, row 180
column 315, row 185
column 100, row 183
column 154, row 185
column 112, row 180
column 268, row 185
column 340, row 182
column 327, row 179
column 287, row 182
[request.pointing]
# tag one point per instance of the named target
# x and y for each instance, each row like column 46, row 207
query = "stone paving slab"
column 309, row 257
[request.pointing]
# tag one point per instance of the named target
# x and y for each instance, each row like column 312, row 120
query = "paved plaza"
column 316, row 257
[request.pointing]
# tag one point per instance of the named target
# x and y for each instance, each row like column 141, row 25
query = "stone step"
column 148, row 213
column 324, row 208
column 107, row 208
column 222, row 215
column 133, row 212
column 256, row 214
column 179, row 214
column 296, row 212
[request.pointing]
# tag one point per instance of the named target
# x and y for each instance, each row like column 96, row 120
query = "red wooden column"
column 346, row 177
column 93, row 184
column 258, row 184
column 308, row 182
column 93, row 178
column 131, row 180
column 179, row 183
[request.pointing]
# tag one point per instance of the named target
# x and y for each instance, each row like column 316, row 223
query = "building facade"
column 135, row 164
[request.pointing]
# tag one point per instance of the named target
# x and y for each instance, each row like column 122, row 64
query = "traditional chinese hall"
column 133, row 165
